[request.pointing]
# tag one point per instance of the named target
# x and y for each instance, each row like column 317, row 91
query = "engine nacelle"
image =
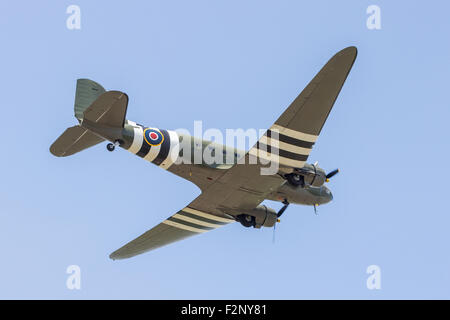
column 308, row 175
column 316, row 179
column 261, row 216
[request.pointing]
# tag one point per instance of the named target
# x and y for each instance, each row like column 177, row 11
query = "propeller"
column 331, row 174
column 273, row 234
column 286, row 204
column 280, row 212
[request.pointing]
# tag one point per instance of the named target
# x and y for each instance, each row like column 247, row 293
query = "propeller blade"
column 273, row 235
column 332, row 173
column 286, row 204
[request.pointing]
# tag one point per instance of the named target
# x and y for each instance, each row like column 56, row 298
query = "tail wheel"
column 110, row 147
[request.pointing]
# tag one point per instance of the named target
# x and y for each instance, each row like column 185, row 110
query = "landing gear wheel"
column 246, row 220
column 295, row 179
column 110, row 147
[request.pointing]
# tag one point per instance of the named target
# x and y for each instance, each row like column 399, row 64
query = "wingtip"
column 113, row 257
column 346, row 55
column 54, row 151
column 117, row 256
column 354, row 50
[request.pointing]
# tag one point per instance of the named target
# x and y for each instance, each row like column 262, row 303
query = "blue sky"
column 231, row 64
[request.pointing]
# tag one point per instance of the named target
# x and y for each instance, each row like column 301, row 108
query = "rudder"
column 101, row 116
column 87, row 92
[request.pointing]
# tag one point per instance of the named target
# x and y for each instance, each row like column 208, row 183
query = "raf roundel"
column 153, row 137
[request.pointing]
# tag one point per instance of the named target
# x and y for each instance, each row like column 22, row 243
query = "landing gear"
column 295, row 179
column 246, row 220
column 111, row 146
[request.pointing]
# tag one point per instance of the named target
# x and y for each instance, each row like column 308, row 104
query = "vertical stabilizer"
column 86, row 93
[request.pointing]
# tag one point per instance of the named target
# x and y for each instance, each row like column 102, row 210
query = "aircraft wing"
column 243, row 187
column 293, row 135
column 185, row 223
column 209, row 211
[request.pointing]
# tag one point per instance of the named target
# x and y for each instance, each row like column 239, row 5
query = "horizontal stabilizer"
column 73, row 140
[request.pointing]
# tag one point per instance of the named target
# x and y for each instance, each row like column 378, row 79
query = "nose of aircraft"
column 320, row 195
column 326, row 194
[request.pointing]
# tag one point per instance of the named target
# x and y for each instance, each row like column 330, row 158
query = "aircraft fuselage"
column 163, row 148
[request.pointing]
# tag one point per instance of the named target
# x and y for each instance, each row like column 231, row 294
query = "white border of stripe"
column 276, row 158
column 137, row 140
column 294, row 134
column 206, row 215
column 199, row 222
column 182, row 226
column 173, row 151
column 284, row 146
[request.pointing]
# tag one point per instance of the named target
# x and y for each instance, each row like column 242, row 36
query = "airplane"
column 229, row 193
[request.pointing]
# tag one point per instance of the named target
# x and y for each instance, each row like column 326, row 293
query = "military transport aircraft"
column 229, row 193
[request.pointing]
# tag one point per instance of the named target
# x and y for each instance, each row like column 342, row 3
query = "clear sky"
column 231, row 64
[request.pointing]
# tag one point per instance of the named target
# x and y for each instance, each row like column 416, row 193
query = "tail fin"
column 101, row 116
column 87, row 92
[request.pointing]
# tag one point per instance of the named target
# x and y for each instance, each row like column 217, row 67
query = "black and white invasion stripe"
column 196, row 221
column 163, row 155
column 283, row 145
